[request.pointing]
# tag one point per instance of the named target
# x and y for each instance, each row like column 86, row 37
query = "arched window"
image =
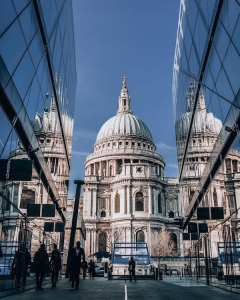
column 117, row 203
column 174, row 240
column 215, row 201
column 140, row 236
column 111, row 171
column 102, row 241
column 139, row 202
column 171, row 214
column 160, row 204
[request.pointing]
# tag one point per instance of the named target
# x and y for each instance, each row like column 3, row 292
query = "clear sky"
column 116, row 37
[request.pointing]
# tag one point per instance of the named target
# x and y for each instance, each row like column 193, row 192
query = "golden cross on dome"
column 124, row 81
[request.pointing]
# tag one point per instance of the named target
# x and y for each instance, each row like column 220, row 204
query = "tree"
column 162, row 244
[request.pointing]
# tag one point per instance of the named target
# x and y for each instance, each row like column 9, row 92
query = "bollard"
column 156, row 273
column 160, row 275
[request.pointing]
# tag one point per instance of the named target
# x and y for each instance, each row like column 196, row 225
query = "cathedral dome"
column 124, row 123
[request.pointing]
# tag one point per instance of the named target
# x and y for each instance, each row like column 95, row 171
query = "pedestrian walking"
column 131, row 269
column 21, row 261
column 84, row 268
column 55, row 265
column 77, row 257
column 41, row 264
column 91, row 268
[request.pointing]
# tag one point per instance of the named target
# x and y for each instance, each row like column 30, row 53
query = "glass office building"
column 206, row 99
column 37, row 98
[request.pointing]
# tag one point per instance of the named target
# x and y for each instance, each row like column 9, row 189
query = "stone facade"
column 126, row 197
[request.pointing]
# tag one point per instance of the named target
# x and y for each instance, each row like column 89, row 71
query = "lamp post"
column 79, row 183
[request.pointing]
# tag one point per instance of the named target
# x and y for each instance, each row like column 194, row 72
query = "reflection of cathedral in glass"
column 126, row 197
column 47, row 130
column 223, row 191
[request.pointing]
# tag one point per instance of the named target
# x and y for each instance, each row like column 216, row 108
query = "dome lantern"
column 124, row 99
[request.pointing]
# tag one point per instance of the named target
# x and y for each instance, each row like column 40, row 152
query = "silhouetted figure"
column 77, row 257
column 56, row 265
column 84, row 268
column 131, row 269
column 41, row 264
column 20, row 264
column 91, row 268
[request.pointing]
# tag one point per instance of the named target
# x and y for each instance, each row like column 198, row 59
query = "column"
column 94, row 207
column 129, row 196
column 107, row 166
column 94, row 169
column 125, row 199
column 100, row 168
column 150, row 199
column 91, row 203
column 115, row 168
column 153, row 201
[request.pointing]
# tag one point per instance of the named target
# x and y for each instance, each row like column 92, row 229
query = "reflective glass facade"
column 206, row 99
column 37, row 98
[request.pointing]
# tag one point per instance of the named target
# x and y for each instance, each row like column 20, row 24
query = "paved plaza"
column 103, row 289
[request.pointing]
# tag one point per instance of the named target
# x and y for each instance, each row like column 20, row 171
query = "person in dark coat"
column 56, row 265
column 84, row 268
column 41, row 264
column 91, row 269
column 77, row 257
column 20, row 263
column 131, row 269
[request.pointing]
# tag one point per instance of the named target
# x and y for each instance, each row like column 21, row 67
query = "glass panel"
column 24, row 70
column 7, row 14
column 8, row 46
column 236, row 34
column 20, row 4
column 28, row 23
column 4, row 123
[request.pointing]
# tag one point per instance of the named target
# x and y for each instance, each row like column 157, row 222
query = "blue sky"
column 117, row 37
